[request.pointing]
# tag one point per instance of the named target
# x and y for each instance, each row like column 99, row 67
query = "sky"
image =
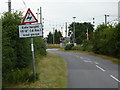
column 57, row 12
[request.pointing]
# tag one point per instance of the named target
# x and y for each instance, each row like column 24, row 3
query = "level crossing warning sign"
column 29, row 18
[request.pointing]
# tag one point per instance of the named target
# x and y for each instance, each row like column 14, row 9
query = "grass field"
column 114, row 60
column 52, row 73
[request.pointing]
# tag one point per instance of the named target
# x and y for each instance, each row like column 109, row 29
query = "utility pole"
column 66, row 29
column 93, row 20
column 41, row 19
column 53, row 37
column 87, row 35
column 41, row 15
column 106, row 19
column 37, row 13
column 9, row 6
column 119, row 12
column 74, row 29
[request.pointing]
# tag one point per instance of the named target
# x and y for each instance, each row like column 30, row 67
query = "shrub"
column 69, row 46
column 77, row 48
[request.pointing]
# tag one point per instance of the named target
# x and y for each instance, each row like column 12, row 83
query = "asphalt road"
column 86, row 71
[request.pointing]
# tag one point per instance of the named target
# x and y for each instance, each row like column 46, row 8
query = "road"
column 86, row 71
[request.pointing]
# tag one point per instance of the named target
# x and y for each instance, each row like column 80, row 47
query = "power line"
column 24, row 3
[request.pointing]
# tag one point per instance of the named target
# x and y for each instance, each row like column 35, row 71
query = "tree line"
column 56, row 35
column 105, row 39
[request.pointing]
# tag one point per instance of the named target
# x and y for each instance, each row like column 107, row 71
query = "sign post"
column 33, row 59
column 30, row 30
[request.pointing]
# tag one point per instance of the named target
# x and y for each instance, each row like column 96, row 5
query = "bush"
column 69, row 46
column 40, row 47
column 107, row 40
column 77, row 48
column 16, row 52
column 16, row 76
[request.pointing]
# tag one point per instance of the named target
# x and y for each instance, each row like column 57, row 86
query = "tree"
column 57, row 35
column 80, row 31
column 107, row 40
column 50, row 38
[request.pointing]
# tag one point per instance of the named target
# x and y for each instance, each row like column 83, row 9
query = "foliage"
column 16, row 52
column 53, row 45
column 69, row 46
column 57, row 35
column 50, row 74
column 40, row 47
column 50, row 38
column 107, row 40
column 77, row 48
column 80, row 31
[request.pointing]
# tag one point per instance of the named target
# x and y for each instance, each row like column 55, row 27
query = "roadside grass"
column 51, row 71
column 114, row 60
column 53, row 46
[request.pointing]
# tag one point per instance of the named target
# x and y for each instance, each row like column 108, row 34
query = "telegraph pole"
column 74, row 29
column 87, row 35
column 9, row 6
column 106, row 19
column 37, row 13
column 66, row 29
column 41, row 15
column 53, row 37
column 93, row 20
column 41, row 19
column 119, row 12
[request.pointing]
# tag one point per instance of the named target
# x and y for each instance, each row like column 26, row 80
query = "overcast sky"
column 57, row 12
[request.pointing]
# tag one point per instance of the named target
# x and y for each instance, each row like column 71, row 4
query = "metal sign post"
column 33, row 59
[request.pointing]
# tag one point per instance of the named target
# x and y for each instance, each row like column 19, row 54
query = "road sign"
column 30, row 30
column 29, row 18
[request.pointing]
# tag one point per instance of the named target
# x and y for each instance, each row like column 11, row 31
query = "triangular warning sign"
column 29, row 18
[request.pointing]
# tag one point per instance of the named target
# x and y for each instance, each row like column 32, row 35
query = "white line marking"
column 114, row 78
column 96, row 62
column 100, row 68
column 87, row 61
column 76, row 56
column 87, row 58
column 81, row 57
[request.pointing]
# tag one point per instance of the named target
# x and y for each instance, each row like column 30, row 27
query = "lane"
column 85, row 71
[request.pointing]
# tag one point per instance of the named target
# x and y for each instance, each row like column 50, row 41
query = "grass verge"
column 52, row 71
column 53, row 46
column 114, row 60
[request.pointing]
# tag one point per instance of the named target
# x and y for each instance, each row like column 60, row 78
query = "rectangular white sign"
column 30, row 30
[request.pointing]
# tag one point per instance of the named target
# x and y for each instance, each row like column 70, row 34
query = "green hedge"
column 107, row 40
column 16, row 52
column 69, row 46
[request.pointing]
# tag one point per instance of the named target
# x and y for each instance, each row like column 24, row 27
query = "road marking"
column 87, row 61
column 114, row 78
column 76, row 56
column 100, row 68
column 96, row 62
column 87, row 58
column 81, row 58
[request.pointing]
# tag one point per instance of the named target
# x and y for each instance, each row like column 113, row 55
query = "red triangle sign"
column 29, row 18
